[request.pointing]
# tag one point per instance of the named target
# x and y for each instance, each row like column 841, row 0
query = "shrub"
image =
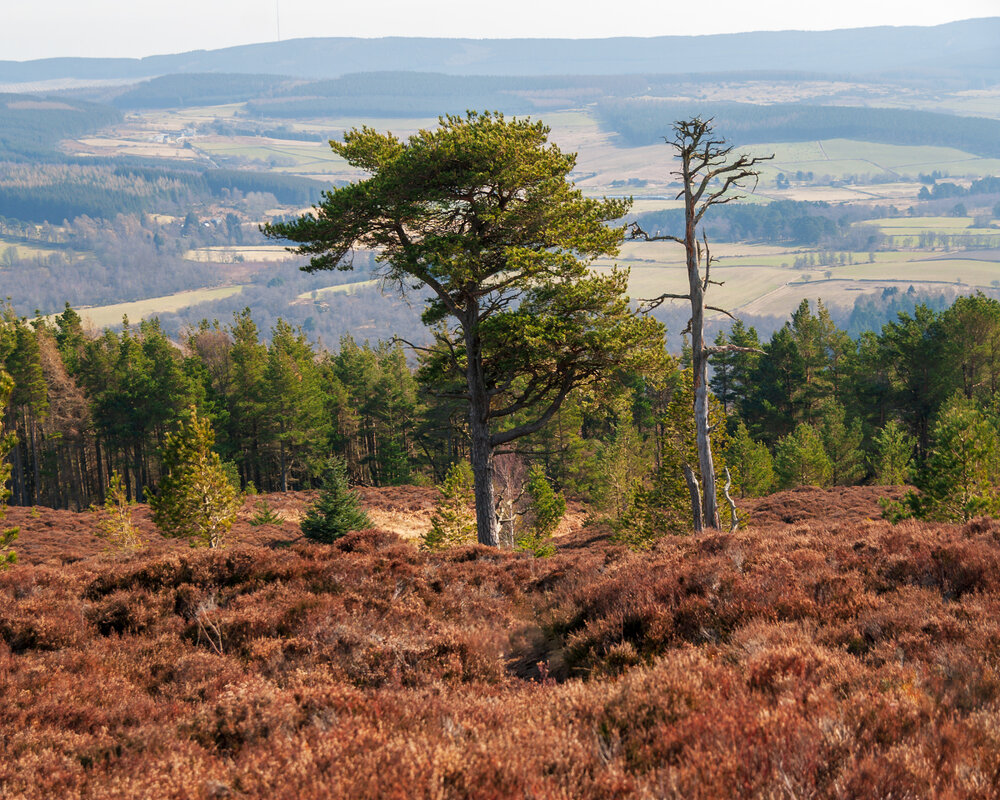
column 337, row 510
column 195, row 500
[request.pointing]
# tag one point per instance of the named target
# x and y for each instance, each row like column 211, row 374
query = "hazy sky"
column 146, row 27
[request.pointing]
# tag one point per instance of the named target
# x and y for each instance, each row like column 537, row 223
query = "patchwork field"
column 764, row 280
column 103, row 316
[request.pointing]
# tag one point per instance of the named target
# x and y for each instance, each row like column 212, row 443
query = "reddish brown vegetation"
column 820, row 658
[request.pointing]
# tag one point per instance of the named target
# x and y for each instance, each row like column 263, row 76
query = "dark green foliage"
column 960, row 478
column 337, row 511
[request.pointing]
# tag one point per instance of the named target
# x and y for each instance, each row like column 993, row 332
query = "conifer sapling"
column 337, row 511
column 454, row 521
column 115, row 518
column 196, row 499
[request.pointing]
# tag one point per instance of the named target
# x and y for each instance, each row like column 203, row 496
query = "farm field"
column 22, row 250
column 762, row 280
column 103, row 316
column 229, row 254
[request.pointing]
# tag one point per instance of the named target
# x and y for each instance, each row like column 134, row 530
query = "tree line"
column 814, row 407
column 641, row 122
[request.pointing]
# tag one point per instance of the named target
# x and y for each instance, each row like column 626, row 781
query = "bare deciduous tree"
column 711, row 174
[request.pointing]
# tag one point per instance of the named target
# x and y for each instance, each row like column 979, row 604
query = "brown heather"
column 827, row 656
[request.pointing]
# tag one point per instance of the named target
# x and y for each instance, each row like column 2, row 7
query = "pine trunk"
column 481, row 451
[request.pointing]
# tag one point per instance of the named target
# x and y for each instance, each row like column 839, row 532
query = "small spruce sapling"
column 265, row 515
column 196, row 499
column 454, row 521
column 337, row 511
column 114, row 522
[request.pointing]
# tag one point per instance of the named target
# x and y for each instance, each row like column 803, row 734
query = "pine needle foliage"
column 8, row 556
column 196, row 500
column 547, row 508
column 800, row 460
column 114, row 522
column 264, row 514
column 960, row 478
column 337, row 511
column 454, row 521
column 893, row 454
column 751, row 463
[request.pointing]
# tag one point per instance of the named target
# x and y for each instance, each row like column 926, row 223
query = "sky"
column 135, row 28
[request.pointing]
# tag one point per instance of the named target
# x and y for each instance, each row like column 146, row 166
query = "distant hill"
column 967, row 48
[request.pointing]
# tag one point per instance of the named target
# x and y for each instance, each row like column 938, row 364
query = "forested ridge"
column 642, row 121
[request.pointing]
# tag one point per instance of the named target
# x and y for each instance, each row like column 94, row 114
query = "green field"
column 839, row 158
column 763, row 279
column 103, row 316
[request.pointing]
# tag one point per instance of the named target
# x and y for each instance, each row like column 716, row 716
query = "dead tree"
column 710, row 174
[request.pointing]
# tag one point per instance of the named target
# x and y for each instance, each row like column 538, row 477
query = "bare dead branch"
column 647, row 305
column 734, row 521
column 636, row 232
column 720, row 310
column 731, row 348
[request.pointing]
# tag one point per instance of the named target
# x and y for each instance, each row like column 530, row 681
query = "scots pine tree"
column 547, row 508
column 751, row 463
column 842, row 443
column 800, row 460
column 337, row 511
column 114, row 523
column 960, row 478
column 893, row 454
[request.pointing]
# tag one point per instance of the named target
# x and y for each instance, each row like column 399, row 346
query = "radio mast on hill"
column 277, row 17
